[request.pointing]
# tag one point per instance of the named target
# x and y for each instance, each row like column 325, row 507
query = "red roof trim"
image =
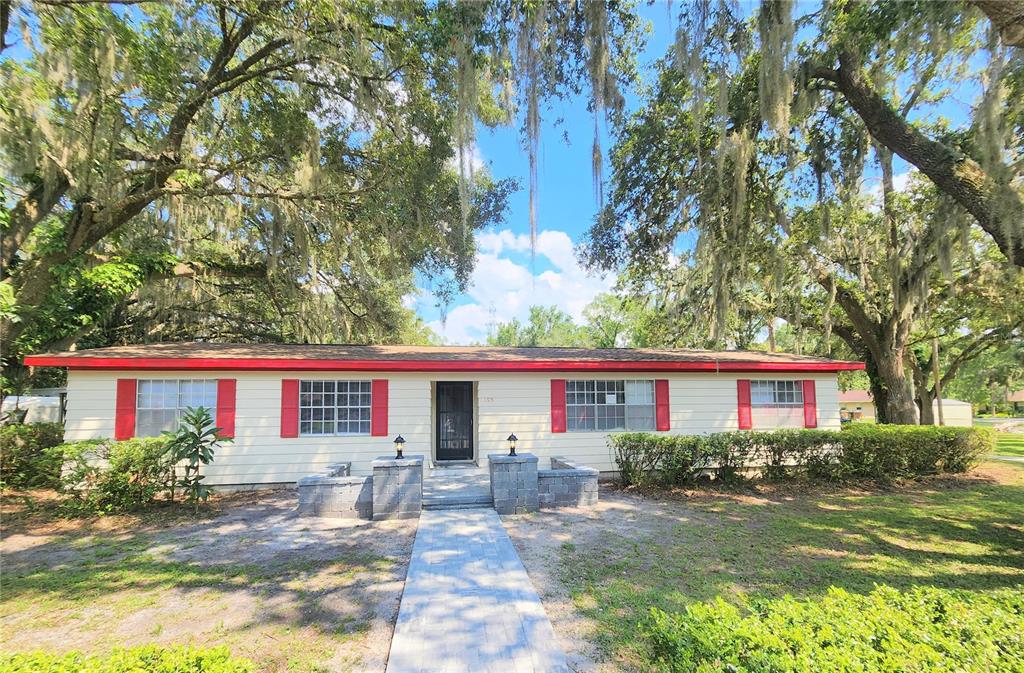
column 286, row 364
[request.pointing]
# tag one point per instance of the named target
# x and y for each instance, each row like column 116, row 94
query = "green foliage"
column 924, row 629
column 25, row 461
column 108, row 476
column 140, row 659
column 547, row 326
column 194, row 444
column 861, row 452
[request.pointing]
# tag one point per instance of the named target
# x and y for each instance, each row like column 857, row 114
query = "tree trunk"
column 899, row 403
column 1008, row 17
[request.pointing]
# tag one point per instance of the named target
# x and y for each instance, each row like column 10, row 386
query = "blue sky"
column 504, row 285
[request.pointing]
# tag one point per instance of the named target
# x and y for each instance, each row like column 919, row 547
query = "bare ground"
column 291, row 593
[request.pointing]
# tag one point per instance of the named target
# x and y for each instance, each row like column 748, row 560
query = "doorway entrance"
column 454, row 422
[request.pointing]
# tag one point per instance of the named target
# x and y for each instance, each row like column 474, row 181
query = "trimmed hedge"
column 143, row 659
column 860, row 452
column 924, row 629
column 25, row 461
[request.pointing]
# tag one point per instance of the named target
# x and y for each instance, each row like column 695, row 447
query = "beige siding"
column 506, row 402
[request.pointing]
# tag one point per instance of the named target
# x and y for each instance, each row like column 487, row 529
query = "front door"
column 454, row 420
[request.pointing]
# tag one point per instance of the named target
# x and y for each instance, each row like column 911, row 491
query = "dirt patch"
column 291, row 593
column 544, row 537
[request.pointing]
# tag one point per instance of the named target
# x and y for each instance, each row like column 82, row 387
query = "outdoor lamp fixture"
column 399, row 445
column 512, row 439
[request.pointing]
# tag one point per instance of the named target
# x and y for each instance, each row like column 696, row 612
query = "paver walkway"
column 469, row 605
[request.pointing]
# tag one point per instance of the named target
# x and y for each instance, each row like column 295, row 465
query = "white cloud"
column 502, row 289
column 900, row 183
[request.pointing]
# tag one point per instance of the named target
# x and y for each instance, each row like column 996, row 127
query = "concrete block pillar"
column 397, row 487
column 514, row 483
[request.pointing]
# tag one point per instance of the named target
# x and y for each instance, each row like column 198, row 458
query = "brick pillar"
column 514, row 483
column 397, row 487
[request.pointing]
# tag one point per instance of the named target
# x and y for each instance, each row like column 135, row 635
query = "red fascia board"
column 290, row 364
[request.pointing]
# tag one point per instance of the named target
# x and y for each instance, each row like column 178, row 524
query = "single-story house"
column 857, row 405
column 293, row 409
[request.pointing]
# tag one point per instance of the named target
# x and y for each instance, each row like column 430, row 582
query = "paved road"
column 469, row 605
column 1013, row 459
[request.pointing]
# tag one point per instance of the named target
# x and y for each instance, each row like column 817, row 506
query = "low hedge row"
column 924, row 629
column 142, row 659
column 862, row 451
column 25, row 458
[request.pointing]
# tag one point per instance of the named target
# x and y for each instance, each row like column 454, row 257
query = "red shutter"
column 289, row 407
column 226, row 407
column 557, row 405
column 810, row 405
column 124, row 409
column 661, row 403
column 379, row 408
column 743, row 404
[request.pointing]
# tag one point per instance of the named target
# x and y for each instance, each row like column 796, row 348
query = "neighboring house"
column 857, row 405
column 1016, row 401
column 292, row 409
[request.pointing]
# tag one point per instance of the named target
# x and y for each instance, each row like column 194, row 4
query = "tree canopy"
column 262, row 170
column 738, row 195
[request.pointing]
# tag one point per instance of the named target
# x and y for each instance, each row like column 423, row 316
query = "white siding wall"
column 506, row 402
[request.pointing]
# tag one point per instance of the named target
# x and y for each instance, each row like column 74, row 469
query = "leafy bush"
column 862, row 451
column 143, row 659
column 115, row 476
column 924, row 629
column 24, row 459
column 194, row 444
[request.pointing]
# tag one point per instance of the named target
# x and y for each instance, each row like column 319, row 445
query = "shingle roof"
column 855, row 396
column 435, row 353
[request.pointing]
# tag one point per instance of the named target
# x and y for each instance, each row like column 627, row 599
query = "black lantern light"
column 399, row 445
column 512, row 439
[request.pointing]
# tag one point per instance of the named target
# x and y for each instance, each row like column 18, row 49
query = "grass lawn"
column 292, row 594
column 638, row 552
column 1010, row 444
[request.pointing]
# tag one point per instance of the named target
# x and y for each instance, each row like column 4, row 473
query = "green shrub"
column 24, row 459
column 116, row 476
column 924, row 629
column 862, row 452
column 143, row 659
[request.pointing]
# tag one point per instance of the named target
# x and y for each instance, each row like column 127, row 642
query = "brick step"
column 457, row 502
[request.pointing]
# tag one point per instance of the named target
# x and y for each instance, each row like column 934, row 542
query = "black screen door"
column 454, row 420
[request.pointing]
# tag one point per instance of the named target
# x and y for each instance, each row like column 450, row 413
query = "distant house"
column 1016, row 401
column 293, row 409
column 857, row 405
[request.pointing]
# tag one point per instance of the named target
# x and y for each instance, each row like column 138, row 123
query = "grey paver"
column 469, row 605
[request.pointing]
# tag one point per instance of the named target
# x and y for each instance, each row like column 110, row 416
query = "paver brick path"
column 469, row 605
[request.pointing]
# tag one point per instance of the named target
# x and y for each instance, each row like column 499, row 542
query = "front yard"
column 291, row 594
column 600, row 572
column 1010, row 444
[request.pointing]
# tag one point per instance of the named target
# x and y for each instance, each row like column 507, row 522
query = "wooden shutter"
column 557, row 405
column 810, row 405
column 124, row 409
column 746, row 420
column 289, row 407
column 226, row 407
column 379, row 408
column 661, row 406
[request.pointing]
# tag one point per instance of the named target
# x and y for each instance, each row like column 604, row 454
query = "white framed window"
column 334, row 408
column 609, row 405
column 777, row 404
column 160, row 403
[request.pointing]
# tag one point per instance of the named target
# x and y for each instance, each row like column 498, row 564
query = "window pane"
column 640, row 417
column 639, row 392
column 335, row 407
